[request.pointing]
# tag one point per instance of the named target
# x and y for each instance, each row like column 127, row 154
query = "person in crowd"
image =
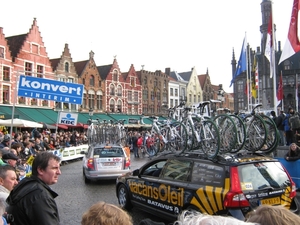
column 46, row 144
column 10, row 159
column 278, row 120
column 38, row 147
column 17, row 138
column 105, row 214
column 32, row 201
column 17, row 146
column 192, row 217
column 275, row 215
column 294, row 123
column 8, row 180
column 51, row 144
column 135, row 148
column 293, row 154
column 280, row 128
column 6, row 141
column 287, row 130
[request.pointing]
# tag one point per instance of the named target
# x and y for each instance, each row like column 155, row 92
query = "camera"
column 9, row 218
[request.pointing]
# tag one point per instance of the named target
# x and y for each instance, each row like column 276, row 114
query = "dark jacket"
column 292, row 155
column 32, row 202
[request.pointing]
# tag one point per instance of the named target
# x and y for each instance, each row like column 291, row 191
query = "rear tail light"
column 90, row 164
column 293, row 193
column 127, row 163
column 235, row 198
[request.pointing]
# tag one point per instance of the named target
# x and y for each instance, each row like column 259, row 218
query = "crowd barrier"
column 70, row 153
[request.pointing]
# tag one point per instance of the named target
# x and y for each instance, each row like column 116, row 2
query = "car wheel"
column 86, row 180
column 123, row 197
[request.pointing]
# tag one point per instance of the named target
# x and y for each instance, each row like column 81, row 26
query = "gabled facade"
column 7, row 78
column 155, row 92
column 65, row 71
column 174, row 99
column 29, row 57
column 133, row 92
column 181, row 82
column 89, row 76
column 194, row 90
column 206, row 86
column 113, row 87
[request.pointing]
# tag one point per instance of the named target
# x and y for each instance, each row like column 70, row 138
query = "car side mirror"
column 136, row 172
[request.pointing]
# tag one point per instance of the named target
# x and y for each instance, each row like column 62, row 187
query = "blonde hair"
column 197, row 218
column 275, row 215
column 103, row 213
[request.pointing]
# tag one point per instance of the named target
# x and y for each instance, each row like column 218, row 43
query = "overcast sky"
column 157, row 34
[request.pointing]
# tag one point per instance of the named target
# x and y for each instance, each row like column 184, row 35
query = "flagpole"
column 250, row 81
column 296, row 93
column 257, row 78
column 272, row 62
column 247, row 71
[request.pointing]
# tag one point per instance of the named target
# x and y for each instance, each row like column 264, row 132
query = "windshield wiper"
column 266, row 187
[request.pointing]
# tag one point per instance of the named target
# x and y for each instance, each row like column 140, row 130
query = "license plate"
column 108, row 163
column 271, row 201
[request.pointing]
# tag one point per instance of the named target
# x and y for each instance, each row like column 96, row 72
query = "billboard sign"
column 68, row 118
column 53, row 90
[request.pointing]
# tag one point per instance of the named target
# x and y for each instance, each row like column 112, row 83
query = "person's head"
column 10, row 158
column 273, row 113
column 293, row 147
column 46, row 166
column 291, row 111
column 275, row 215
column 6, row 139
column 17, row 146
column 8, row 177
column 105, row 214
column 197, row 218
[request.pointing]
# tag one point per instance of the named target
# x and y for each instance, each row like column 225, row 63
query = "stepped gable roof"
column 54, row 63
column 104, row 70
column 186, row 75
column 79, row 66
column 15, row 43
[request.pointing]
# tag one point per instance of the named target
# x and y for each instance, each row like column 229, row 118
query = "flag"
column 253, row 80
column 269, row 42
column 269, row 49
column 242, row 63
column 280, row 89
column 292, row 44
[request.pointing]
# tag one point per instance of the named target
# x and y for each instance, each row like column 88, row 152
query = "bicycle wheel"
column 176, row 137
column 210, row 139
column 256, row 132
column 227, row 132
column 241, row 133
column 191, row 140
column 273, row 137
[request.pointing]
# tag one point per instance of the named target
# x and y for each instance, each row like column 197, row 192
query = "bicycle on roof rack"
column 256, row 131
column 166, row 136
column 232, row 132
column 202, row 132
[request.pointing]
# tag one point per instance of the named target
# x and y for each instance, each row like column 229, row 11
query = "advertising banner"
column 46, row 89
column 68, row 118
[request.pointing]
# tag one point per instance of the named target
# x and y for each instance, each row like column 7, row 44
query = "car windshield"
column 108, row 152
column 262, row 175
